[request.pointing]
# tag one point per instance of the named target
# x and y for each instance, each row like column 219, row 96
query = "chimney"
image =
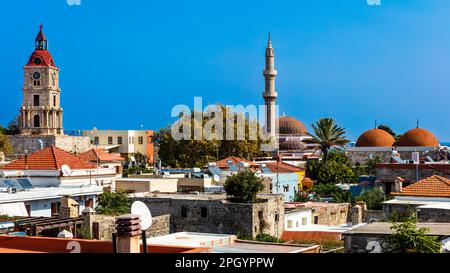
column 129, row 233
column 398, row 184
column 69, row 207
column 357, row 215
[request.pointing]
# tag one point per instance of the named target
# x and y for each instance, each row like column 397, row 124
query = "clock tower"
column 41, row 112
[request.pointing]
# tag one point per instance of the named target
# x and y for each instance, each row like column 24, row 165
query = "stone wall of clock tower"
column 41, row 111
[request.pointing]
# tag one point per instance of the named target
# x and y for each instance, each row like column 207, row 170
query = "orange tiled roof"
column 223, row 162
column 433, row 186
column 50, row 158
column 101, row 154
column 282, row 167
column 311, row 236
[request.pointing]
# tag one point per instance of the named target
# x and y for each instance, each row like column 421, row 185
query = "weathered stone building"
column 331, row 214
column 101, row 227
column 213, row 213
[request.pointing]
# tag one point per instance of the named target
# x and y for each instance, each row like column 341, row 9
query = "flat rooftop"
column 224, row 243
column 309, row 204
column 192, row 196
column 261, row 247
column 384, row 228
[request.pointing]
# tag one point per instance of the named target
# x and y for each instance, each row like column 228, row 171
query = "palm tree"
column 327, row 134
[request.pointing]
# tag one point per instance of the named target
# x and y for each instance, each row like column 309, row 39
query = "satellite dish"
column 66, row 170
column 141, row 209
column 216, row 178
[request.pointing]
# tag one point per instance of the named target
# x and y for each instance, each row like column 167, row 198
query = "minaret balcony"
column 272, row 72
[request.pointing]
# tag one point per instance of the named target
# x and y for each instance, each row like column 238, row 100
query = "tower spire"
column 41, row 40
column 270, row 94
column 418, row 122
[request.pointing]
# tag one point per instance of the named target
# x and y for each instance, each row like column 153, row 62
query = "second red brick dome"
column 375, row 138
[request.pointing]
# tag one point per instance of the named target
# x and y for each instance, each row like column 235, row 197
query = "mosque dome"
column 291, row 126
column 418, row 137
column 292, row 145
column 375, row 138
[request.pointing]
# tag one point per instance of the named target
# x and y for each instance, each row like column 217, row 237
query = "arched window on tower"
column 37, row 121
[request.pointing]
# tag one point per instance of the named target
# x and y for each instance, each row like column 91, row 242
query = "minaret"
column 270, row 95
column 41, row 112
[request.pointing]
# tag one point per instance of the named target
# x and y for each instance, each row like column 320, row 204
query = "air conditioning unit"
column 12, row 190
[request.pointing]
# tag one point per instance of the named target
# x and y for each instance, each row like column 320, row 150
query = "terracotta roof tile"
column 102, row 155
column 50, row 158
column 283, row 167
column 223, row 162
column 311, row 236
column 433, row 186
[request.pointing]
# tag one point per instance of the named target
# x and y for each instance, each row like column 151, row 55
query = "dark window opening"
column 260, row 214
column 184, row 211
column 316, row 220
column 54, row 100
column 35, row 100
column 119, row 140
column 276, row 217
column 96, row 140
column 203, row 212
column 110, row 140
column 37, row 121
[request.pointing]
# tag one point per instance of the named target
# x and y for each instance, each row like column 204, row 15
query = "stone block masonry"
column 217, row 215
column 31, row 143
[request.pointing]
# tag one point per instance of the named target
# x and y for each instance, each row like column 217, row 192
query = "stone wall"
column 333, row 215
column 400, row 210
column 160, row 226
column 106, row 225
column 433, row 215
column 20, row 143
column 220, row 216
column 410, row 172
column 365, row 243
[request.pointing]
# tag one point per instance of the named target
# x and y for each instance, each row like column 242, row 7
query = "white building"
column 295, row 219
column 34, row 185
column 125, row 142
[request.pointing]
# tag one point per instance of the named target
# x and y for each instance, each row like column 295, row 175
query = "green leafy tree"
column 373, row 198
column 334, row 191
column 371, row 165
column 5, row 145
column 408, row 238
column 187, row 153
column 387, row 129
column 243, row 187
column 333, row 172
column 327, row 134
column 113, row 203
column 312, row 169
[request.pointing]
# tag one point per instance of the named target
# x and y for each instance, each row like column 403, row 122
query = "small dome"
column 292, row 145
column 418, row 137
column 291, row 126
column 375, row 138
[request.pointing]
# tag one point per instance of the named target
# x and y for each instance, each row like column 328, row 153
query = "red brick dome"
column 291, row 126
column 418, row 137
column 375, row 138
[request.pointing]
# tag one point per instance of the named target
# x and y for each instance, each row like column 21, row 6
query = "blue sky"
column 126, row 63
